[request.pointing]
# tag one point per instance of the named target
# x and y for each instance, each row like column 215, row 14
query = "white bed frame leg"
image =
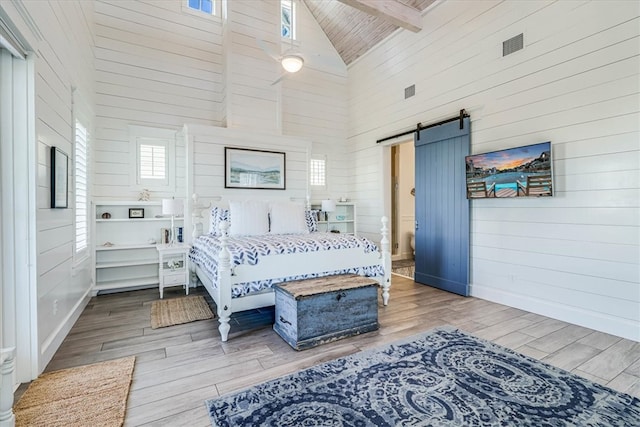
column 386, row 260
column 7, row 368
column 224, row 285
column 224, row 327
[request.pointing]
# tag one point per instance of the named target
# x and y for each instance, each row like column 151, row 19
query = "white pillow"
column 248, row 218
column 288, row 218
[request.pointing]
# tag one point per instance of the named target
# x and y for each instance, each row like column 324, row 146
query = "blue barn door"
column 442, row 208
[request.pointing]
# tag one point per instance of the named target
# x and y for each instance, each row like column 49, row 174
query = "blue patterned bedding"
column 248, row 250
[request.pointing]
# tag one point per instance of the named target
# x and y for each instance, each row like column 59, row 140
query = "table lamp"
column 328, row 205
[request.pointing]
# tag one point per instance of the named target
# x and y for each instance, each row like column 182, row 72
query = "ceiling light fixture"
column 292, row 63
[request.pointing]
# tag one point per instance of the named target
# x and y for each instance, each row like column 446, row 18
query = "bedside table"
column 173, row 263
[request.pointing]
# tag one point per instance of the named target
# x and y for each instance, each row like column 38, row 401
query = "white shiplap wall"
column 314, row 103
column 61, row 36
column 251, row 102
column 207, row 146
column 576, row 83
column 157, row 66
column 310, row 104
column 160, row 66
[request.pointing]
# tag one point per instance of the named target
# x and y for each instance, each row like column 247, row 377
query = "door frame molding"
column 19, row 194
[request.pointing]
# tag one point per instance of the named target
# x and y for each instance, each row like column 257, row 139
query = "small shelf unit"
column 342, row 220
column 125, row 255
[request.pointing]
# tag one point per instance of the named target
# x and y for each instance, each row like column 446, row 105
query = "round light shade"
column 292, row 63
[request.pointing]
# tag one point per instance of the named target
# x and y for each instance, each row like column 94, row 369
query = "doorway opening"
column 402, row 206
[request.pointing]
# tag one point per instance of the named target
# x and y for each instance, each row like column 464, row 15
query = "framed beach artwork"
column 258, row 169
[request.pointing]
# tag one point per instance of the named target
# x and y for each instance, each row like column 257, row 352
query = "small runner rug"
column 176, row 311
column 91, row 395
column 404, row 268
column 442, row 378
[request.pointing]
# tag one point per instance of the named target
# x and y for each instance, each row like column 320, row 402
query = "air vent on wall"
column 514, row 44
column 409, row 91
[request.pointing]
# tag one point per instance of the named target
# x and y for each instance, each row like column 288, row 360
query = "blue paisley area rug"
column 440, row 378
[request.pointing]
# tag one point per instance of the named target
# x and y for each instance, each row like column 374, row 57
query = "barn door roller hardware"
column 463, row 114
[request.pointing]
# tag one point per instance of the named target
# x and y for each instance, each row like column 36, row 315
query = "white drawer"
column 174, row 279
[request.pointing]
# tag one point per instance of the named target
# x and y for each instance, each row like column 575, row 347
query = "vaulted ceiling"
column 355, row 26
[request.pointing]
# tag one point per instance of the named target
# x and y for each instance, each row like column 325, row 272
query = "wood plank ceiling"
column 353, row 31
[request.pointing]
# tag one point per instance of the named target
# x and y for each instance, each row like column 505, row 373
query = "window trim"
column 138, row 134
column 81, row 113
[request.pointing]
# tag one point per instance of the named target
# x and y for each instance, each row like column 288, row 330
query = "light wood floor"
column 178, row 367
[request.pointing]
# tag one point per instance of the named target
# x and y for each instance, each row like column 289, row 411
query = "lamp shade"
column 328, row 205
column 172, row 206
column 292, row 63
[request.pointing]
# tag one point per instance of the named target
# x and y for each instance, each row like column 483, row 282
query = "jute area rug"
column 175, row 311
column 443, row 377
column 91, row 395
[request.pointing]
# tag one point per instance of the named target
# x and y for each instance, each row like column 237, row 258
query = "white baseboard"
column 51, row 345
column 615, row 326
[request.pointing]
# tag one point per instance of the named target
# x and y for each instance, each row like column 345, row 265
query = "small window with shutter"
column 318, row 172
column 80, row 156
column 152, row 158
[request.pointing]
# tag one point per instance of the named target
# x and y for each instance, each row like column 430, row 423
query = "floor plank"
column 178, row 367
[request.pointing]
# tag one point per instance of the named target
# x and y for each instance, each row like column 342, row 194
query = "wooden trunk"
column 316, row 311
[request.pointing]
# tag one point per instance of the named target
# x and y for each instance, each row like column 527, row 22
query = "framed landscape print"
column 258, row 169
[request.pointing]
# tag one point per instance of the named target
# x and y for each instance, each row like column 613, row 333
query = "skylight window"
column 287, row 19
column 205, row 6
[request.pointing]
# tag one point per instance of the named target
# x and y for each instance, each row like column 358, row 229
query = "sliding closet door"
column 442, row 208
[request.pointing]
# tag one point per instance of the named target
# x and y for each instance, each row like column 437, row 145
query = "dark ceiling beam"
column 391, row 10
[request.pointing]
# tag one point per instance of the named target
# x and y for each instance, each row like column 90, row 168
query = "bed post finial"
column 386, row 260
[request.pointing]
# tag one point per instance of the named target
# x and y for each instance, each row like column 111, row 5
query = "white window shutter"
column 318, row 172
column 81, row 190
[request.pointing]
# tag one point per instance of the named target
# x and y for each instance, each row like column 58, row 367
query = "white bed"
column 242, row 280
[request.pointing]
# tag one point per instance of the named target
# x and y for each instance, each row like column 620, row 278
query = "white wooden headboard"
column 201, row 209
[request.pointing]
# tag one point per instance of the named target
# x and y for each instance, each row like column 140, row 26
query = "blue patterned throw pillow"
column 217, row 216
column 310, row 217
